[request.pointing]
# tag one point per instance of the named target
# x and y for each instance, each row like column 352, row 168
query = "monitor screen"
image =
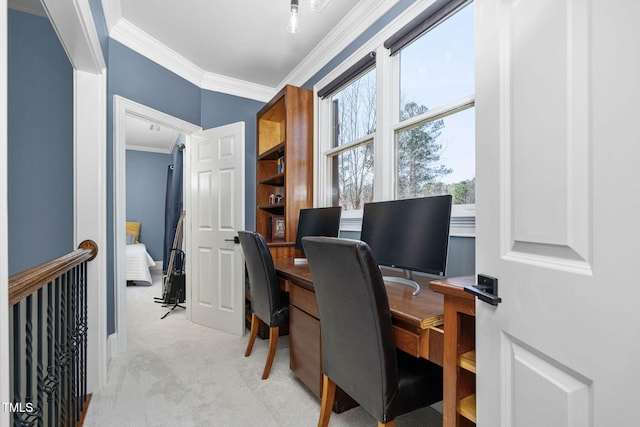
column 318, row 222
column 411, row 234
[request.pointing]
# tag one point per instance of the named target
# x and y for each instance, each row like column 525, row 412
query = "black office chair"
column 358, row 348
column 266, row 303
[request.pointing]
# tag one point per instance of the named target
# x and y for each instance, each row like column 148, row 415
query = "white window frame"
column 387, row 123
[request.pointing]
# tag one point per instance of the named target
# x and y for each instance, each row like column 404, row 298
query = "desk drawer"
column 407, row 341
column 434, row 344
column 425, row 343
column 303, row 299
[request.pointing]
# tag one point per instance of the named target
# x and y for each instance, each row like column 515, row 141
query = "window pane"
column 438, row 157
column 438, row 68
column 354, row 110
column 353, row 177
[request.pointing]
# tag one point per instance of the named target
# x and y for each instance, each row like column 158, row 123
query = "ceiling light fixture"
column 293, row 26
column 316, row 5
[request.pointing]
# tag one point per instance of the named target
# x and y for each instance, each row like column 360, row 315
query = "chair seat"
column 418, row 381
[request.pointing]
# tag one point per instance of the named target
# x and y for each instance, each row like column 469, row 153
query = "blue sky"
column 438, row 69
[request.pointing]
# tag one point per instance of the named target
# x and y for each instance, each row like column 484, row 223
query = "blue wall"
column 146, row 187
column 40, row 149
column 139, row 79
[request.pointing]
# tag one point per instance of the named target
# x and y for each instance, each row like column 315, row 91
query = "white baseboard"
column 156, row 268
column 112, row 347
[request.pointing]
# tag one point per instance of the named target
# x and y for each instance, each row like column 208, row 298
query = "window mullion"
column 386, row 84
column 437, row 113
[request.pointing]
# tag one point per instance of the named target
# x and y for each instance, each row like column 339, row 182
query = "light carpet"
column 178, row 373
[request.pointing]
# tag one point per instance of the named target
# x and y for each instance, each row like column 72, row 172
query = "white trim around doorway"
column 121, row 108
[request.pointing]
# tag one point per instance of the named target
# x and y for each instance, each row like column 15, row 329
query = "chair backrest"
column 263, row 283
column 358, row 348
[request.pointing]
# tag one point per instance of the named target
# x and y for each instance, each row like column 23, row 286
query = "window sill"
column 463, row 221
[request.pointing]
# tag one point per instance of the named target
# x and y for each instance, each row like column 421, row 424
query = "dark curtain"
column 173, row 206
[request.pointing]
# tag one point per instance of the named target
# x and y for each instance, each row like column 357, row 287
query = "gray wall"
column 146, row 188
column 40, row 148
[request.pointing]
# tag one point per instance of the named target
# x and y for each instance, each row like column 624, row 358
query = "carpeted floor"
column 177, row 373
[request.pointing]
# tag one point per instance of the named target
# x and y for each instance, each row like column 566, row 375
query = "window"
column 435, row 137
column 353, row 128
column 405, row 126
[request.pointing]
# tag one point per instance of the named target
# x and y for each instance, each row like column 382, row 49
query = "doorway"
column 124, row 108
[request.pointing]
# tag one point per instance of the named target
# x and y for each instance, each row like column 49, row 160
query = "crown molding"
column 136, row 39
column 365, row 14
column 355, row 23
column 20, row 7
column 237, row 87
column 112, row 12
column 146, row 149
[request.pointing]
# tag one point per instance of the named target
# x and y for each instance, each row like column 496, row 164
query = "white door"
column 216, row 214
column 558, row 205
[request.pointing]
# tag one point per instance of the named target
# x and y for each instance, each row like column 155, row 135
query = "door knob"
column 486, row 289
column 235, row 240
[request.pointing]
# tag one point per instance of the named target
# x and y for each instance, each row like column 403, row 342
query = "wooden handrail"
column 29, row 281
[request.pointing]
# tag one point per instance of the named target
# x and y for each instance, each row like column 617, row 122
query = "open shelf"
column 273, row 153
column 467, row 407
column 273, row 208
column 284, row 157
column 275, row 180
column 468, row 361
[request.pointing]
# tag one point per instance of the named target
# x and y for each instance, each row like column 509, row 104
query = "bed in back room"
column 138, row 259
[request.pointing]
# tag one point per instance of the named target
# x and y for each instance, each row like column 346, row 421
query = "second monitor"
column 317, row 222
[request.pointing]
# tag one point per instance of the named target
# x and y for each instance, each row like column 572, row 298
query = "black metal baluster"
column 50, row 385
column 85, row 330
column 82, row 335
column 73, row 371
column 58, row 355
column 39, row 407
column 64, row 346
column 39, row 356
column 29, row 355
column 16, row 360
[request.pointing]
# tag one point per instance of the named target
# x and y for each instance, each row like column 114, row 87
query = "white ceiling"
column 243, row 39
column 144, row 136
column 239, row 47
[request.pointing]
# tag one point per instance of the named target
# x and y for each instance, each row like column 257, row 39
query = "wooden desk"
column 459, row 399
column 416, row 321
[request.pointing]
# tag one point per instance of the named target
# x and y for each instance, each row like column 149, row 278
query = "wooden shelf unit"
column 459, row 407
column 285, row 131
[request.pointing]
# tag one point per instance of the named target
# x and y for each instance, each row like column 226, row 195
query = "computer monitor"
column 410, row 234
column 318, row 222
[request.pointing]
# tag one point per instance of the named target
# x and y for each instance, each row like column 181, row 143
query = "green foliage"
column 418, row 154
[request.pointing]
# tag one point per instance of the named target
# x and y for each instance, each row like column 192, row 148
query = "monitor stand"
column 407, row 280
column 300, row 261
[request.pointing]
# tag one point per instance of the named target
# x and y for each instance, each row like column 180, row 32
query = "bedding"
column 138, row 263
column 133, row 228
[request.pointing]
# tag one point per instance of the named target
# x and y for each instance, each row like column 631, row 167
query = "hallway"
column 177, row 373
